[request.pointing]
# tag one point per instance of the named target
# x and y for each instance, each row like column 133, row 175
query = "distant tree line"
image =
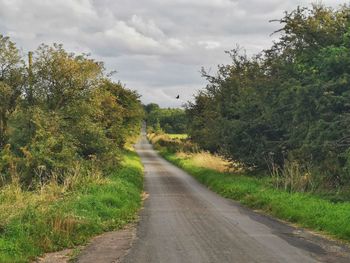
column 290, row 102
column 59, row 111
column 165, row 119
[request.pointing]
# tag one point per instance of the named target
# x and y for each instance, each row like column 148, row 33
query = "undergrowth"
column 65, row 215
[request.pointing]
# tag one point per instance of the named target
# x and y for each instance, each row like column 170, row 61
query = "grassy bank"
column 61, row 216
column 178, row 136
column 305, row 209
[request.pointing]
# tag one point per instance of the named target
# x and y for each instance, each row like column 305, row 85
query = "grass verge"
column 178, row 136
column 304, row 209
column 32, row 223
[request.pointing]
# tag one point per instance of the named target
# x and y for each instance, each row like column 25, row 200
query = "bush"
column 60, row 111
column 290, row 101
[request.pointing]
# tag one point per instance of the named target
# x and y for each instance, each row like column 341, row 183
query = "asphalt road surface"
column 182, row 221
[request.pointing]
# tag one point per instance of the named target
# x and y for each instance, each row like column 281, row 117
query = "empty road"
column 182, row 221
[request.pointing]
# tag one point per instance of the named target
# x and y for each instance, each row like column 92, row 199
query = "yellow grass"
column 178, row 136
column 155, row 137
column 14, row 200
column 202, row 159
column 210, row 161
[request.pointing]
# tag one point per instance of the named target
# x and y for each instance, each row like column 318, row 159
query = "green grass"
column 178, row 136
column 89, row 209
column 304, row 209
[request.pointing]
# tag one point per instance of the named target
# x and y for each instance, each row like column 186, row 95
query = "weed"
column 293, row 177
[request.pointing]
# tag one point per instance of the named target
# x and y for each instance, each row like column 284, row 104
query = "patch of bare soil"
column 110, row 247
column 56, row 257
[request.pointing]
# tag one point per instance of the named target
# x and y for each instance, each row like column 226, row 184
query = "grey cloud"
column 157, row 46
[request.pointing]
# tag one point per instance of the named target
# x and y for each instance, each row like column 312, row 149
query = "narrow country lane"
column 183, row 221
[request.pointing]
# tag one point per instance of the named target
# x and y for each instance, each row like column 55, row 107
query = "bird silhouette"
column 178, row 96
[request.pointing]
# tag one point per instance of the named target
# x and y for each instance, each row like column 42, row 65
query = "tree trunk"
column 3, row 129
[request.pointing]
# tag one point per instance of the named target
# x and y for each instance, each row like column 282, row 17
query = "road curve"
column 182, row 221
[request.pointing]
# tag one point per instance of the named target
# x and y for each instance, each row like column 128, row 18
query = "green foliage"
column 291, row 102
column 11, row 83
column 61, row 78
column 130, row 115
column 167, row 120
column 61, row 216
column 63, row 128
column 60, row 110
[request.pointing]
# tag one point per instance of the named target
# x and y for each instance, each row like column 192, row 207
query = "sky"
column 157, row 47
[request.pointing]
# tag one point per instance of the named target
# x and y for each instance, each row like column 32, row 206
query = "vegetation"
column 172, row 144
column 60, row 111
column 64, row 173
column 178, row 136
column 285, row 113
column 288, row 105
column 165, row 120
column 67, row 214
column 183, row 148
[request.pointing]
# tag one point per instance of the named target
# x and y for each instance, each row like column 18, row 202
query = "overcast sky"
column 157, row 46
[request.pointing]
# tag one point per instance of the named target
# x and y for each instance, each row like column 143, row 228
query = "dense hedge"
column 59, row 111
column 291, row 101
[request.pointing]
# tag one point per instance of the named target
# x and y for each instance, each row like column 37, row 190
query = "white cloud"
column 175, row 43
column 209, row 44
column 146, row 27
column 157, row 46
column 203, row 3
column 129, row 37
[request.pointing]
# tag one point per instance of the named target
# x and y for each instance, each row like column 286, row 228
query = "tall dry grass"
column 165, row 142
column 53, row 216
column 155, row 137
column 293, row 177
column 190, row 151
column 211, row 161
column 14, row 199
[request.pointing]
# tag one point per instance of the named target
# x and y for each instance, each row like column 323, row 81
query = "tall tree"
column 11, row 83
column 289, row 102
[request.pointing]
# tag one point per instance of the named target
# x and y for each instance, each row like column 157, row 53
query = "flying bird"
column 178, row 96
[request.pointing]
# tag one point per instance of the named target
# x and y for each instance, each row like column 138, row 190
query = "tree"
column 11, row 83
column 168, row 120
column 288, row 102
column 59, row 113
column 61, row 78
